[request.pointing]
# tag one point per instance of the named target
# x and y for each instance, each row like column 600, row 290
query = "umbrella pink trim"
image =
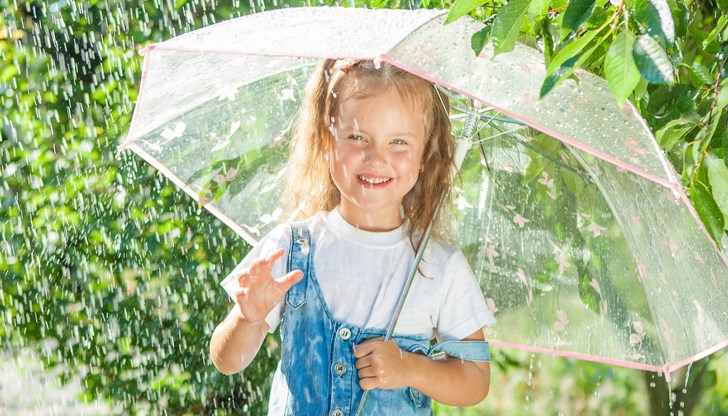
column 672, row 185
column 161, row 47
column 700, row 356
column 701, row 225
column 665, row 369
column 191, row 192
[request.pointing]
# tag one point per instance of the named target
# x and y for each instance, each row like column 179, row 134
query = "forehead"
column 413, row 91
column 390, row 98
column 385, row 112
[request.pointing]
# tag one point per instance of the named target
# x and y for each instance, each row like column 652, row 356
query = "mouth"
column 372, row 181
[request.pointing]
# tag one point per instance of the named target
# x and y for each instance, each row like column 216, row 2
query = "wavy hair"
column 309, row 186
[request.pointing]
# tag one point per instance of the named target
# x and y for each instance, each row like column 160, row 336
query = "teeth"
column 374, row 181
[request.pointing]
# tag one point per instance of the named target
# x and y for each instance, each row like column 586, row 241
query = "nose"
column 374, row 155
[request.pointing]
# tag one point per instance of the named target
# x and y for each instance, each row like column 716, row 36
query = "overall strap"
column 299, row 258
column 466, row 350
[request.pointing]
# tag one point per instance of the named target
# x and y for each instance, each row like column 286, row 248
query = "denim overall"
column 318, row 364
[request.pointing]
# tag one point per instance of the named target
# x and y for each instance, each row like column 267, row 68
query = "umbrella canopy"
column 576, row 225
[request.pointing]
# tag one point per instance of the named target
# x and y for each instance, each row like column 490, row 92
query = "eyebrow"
column 366, row 133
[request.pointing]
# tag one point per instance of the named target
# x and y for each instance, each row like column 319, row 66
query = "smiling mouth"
column 373, row 181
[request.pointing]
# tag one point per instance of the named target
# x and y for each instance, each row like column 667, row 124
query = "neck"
column 370, row 220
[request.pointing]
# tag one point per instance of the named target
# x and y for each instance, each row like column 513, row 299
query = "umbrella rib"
column 523, row 143
column 488, row 119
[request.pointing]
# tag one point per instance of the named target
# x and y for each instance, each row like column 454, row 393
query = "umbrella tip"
column 124, row 145
column 146, row 50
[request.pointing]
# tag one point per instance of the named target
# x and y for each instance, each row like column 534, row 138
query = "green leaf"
column 619, row 67
column 598, row 17
column 680, row 15
column 479, row 39
column 722, row 100
column 723, row 5
column 673, row 132
column 718, row 178
column 507, row 25
column 700, row 75
column 569, row 51
column 713, row 35
column 708, row 211
column 656, row 16
column 565, row 71
column 652, row 61
column 538, row 9
column 462, row 7
column 575, row 15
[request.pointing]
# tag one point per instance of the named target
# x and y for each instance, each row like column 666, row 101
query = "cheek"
column 339, row 162
column 409, row 162
column 409, row 170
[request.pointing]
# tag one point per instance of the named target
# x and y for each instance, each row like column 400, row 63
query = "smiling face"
column 376, row 156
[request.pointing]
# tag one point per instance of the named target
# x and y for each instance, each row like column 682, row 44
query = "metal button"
column 345, row 333
column 339, row 368
column 337, row 412
column 304, row 245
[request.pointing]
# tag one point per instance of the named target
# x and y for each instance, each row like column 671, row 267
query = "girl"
column 371, row 156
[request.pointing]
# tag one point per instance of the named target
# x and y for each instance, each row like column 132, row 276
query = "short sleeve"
column 463, row 309
column 279, row 237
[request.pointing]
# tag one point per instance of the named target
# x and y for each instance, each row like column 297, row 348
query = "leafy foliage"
column 103, row 260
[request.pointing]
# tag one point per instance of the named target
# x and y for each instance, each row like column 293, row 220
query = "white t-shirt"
column 362, row 273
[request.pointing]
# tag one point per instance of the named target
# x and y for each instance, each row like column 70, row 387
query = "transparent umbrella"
column 577, row 227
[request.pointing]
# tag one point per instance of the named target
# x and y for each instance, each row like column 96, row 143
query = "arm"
column 238, row 338
column 235, row 342
column 451, row 381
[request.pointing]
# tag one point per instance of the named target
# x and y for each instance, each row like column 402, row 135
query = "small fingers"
column 260, row 265
column 288, row 280
column 370, row 372
column 366, row 347
column 367, row 384
column 363, row 363
column 272, row 257
column 243, row 278
column 372, row 382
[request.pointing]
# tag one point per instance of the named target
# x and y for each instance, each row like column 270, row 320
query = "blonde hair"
column 309, row 186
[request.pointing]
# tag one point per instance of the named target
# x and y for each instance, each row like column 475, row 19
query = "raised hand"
column 382, row 365
column 258, row 292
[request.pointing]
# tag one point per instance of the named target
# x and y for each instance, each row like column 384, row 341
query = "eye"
column 399, row 141
column 355, row 137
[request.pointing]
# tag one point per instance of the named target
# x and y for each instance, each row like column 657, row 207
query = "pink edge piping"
column 191, row 192
column 700, row 355
column 701, row 225
column 158, row 47
column 665, row 369
column 147, row 49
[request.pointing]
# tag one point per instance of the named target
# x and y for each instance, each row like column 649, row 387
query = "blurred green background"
column 111, row 274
